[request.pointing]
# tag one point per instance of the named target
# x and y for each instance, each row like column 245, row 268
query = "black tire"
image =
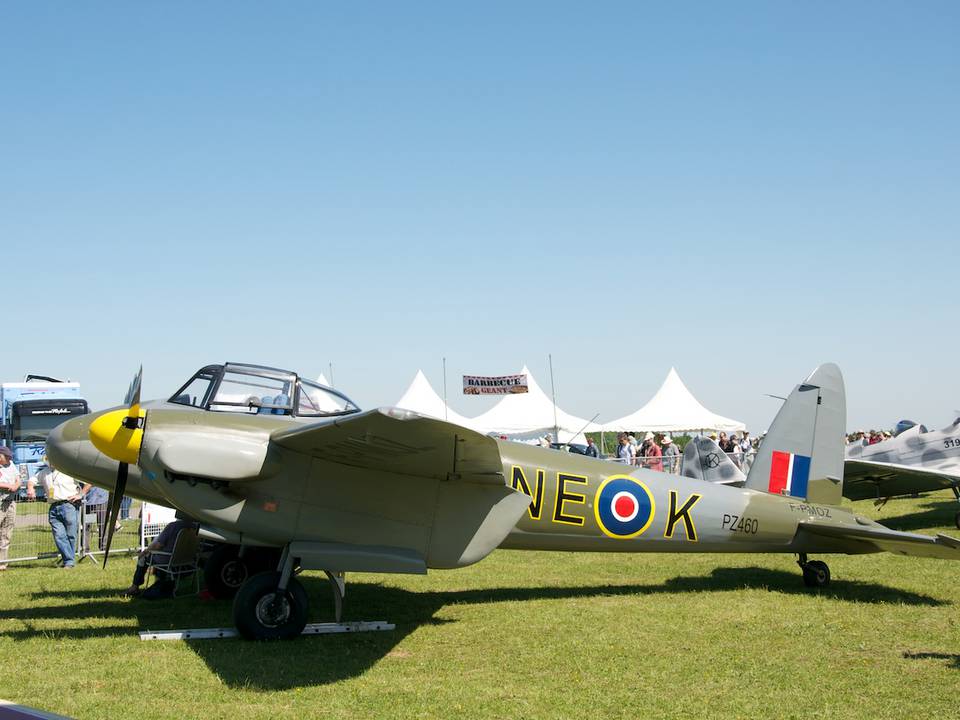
column 225, row 572
column 816, row 574
column 956, row 520
column 261, row 612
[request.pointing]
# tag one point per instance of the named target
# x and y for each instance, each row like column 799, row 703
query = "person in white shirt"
column 625, row 451
column 9, row 486
column 63, row 496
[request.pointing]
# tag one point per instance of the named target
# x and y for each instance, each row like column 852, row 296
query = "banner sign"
column 499, row 385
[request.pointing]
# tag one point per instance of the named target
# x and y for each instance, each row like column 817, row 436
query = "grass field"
column 520, row 635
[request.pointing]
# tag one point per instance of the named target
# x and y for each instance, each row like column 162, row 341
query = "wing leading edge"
column 399, row 442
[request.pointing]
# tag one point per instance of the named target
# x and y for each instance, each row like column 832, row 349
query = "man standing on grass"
column 9, row 486
column 64, row 495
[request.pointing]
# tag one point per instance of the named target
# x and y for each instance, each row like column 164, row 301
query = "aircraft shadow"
column 937, row 514
column 318, row 661
column 952, row 657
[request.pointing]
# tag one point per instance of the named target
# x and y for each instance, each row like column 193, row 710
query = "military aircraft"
column 289, row 475
column 915, row 460
column 704, row 460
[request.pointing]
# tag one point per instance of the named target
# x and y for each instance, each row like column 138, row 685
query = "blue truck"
column 30, row 410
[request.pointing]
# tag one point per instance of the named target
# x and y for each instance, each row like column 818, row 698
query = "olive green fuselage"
column 234, row 479
column 573, row 502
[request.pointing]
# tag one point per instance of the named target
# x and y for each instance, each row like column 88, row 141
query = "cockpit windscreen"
column 251, row 389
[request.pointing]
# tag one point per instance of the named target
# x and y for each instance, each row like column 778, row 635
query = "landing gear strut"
column 956, row 494
column 273, row 605
column 816, row 574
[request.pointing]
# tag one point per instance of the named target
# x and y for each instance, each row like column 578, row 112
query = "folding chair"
column 181, row 562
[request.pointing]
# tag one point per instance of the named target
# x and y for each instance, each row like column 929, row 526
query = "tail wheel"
column 225, row 571
column 816, row 574
column 261, row 611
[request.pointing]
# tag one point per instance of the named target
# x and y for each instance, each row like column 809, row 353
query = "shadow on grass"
column 937, row 513
column 952, row 657
column 76, row 594
column 316, row 661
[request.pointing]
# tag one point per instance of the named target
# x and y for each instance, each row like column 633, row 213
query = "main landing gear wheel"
column 816, row 574
column 261, row 611
column 956, row 520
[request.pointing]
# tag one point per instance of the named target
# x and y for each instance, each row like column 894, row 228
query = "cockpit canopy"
column 905, row 425
column 252, row 389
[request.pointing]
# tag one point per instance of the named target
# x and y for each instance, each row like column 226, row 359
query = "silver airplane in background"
column 915, row 460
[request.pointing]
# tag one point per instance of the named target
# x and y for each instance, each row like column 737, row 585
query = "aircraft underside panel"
column 341, row 557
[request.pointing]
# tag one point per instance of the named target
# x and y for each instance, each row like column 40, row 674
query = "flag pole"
column 553, row 391
column 446, row 409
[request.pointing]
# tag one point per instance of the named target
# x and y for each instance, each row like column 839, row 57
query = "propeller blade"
column 133, row 392
column 116, row 498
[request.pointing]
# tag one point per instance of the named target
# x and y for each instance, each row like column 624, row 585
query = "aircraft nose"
column 63, row 442
column 70, row 451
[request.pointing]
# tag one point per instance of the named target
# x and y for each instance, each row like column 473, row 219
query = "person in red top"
column 653, row 456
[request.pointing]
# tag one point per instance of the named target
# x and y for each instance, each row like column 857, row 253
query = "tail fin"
column 802, row 453
column 704, row 460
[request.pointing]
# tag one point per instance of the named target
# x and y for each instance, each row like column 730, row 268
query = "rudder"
column 802, row 453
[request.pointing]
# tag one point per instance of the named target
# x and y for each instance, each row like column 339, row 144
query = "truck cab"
column 29, row 410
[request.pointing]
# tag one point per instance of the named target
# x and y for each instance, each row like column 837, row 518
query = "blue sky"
column 741, row 190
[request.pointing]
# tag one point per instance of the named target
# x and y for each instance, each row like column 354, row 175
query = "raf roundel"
column 623, row 507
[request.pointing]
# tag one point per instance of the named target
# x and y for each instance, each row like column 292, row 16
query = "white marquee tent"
column 422, row 398
column 673, row 409
column 530, row 415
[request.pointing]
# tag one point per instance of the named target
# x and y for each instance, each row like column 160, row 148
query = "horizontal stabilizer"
column 870, row 480
column 884, row 539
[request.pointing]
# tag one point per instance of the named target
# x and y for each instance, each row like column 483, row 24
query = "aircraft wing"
column 472, row 511
column 400, row 442
column 883, row 539
column 869, row 480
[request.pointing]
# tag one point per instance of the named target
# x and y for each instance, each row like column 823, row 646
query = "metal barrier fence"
column 33, row 539
column 673, row 463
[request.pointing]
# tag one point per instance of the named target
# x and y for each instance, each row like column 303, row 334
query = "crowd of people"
column 660, row 452
column 868, row 437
